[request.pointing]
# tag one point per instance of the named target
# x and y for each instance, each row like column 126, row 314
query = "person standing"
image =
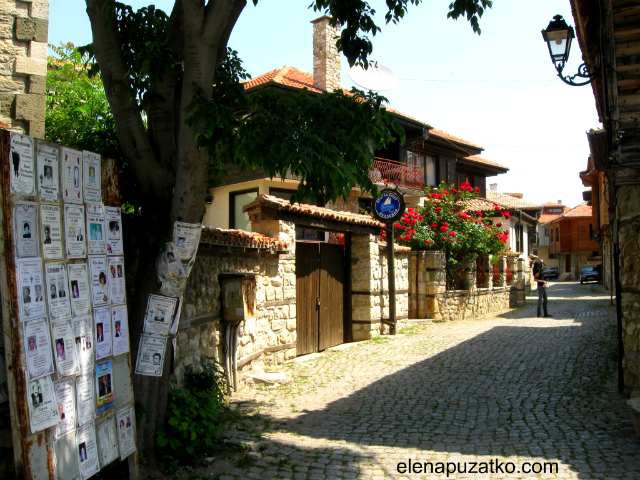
column 538, row 265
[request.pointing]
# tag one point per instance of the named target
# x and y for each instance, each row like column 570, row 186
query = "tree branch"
column 153, row 178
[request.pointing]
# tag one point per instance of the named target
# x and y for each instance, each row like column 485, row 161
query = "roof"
column 447, row 136
column 553, row 204
column 241, row 238
column 511, row 202
column 312, row 211
column 583, row 210
column 480, row 204
column 483, row 161
column 548, row 217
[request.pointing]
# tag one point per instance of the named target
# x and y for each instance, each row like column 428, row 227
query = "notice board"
column 64, row 312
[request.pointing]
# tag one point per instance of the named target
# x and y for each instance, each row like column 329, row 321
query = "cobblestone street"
column 511, row 388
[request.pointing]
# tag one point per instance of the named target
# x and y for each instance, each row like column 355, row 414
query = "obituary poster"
column 186, row 236
column 85, row 399
column 21, row 165
column 151, row 355
column 107, row 440
column 120, row 329
column 104, row 387
column 159, row 314
column 87, row 450
column 48, row 161
column 66, row 401
column 57, row 284
column 126, row 431
column 31, row 289
column 92, row 177
column 71, row 175
column 99, row 280
column 37, row 347
column 64, row 347
column 74, row 224
column 83, row 336
column 43, row 410
column 113, row 226
column 117, row 290
column 51, row 220
column 102, row 320
column 79, row 288
column 175, row 322
column 168, row 264
column 25, row 229
column 95, row 229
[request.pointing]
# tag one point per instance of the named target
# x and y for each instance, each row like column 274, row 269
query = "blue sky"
column 498, row 90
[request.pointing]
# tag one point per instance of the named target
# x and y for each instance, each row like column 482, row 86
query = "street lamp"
column 558, row 36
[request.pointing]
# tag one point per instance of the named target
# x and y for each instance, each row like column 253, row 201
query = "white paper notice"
column 120, row 329
column 92, row 178
column 174, row 287
column 31, row 289
column 102, row 320
column 95, row 229
column 48, row 172
column 176, row 318
column 79, row 288
column 64, row 347
column 87, row 451
column 104, row 387
column 84, row 399
column 74, row 226
column 25, row 229
column 107, row 440
column 37, row 346
column 21, row 165
column 117, row 290
column 43, row 410
column 66, row 401
column 151, row 355
column 168, row 264
column 83, row 334
column 159, row 314
column 51, row 220
column 99, row 280
column 126, row 431
column 113, row 226
column 186, row 236
column 56, row 293
column 71, row 175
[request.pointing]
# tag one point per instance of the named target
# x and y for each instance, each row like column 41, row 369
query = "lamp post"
column 558, row 36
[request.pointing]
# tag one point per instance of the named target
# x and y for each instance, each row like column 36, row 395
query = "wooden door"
column 319, row 296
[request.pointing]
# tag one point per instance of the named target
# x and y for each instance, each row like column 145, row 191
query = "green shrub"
column 195, row 415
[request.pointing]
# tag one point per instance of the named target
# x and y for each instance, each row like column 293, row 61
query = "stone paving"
column 510, row 388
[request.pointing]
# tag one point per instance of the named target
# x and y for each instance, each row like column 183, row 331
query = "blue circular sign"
column 389, row 206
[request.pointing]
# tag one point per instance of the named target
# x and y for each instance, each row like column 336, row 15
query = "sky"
column 498, row 90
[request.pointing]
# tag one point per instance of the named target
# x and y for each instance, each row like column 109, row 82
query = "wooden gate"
column 319, row 296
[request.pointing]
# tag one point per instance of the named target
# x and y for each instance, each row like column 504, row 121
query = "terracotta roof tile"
column 241, row 238
column 313, row 211
column 484, row 161
column 510, row 202
column 553, row 204
column 581, row 211
column 440, row 133
column 397, row 248
column 286, row 75
column 548, row 217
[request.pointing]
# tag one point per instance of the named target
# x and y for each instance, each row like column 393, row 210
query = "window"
column 546, row 232
column 237, row 200
column 427, row 163
column 365, row 205
column 283, row 193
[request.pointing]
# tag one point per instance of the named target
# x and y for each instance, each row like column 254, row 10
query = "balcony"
column 397, row 173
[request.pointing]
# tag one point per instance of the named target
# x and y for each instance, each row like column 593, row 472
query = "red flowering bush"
column 444, row 223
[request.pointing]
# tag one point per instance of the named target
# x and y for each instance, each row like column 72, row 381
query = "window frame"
column 232, row 203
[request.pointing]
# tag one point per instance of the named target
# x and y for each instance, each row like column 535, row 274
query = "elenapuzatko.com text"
column 492, row 466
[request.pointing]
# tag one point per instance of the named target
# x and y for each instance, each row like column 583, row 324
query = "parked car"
column 589, row 274
column 550, row 272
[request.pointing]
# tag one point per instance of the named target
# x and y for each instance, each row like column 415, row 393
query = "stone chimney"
column 326, row 58
column 23, row 68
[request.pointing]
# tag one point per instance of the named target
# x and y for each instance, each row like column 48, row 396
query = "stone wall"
column 23, row 64
column 628, row 215
column 429, row 297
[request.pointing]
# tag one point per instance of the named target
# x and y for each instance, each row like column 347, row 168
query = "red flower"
column 498, row 225
column 453, row 234
column 428, row 242
column 443, row 229
column 477, row 190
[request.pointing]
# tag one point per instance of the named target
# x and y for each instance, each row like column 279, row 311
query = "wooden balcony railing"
column 397, row 173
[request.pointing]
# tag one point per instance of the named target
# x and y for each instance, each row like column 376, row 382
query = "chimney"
column 326, row 58
column 559, row 202
column 493, row 187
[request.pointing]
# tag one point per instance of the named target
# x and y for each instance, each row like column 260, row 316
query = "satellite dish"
column 377, row 77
